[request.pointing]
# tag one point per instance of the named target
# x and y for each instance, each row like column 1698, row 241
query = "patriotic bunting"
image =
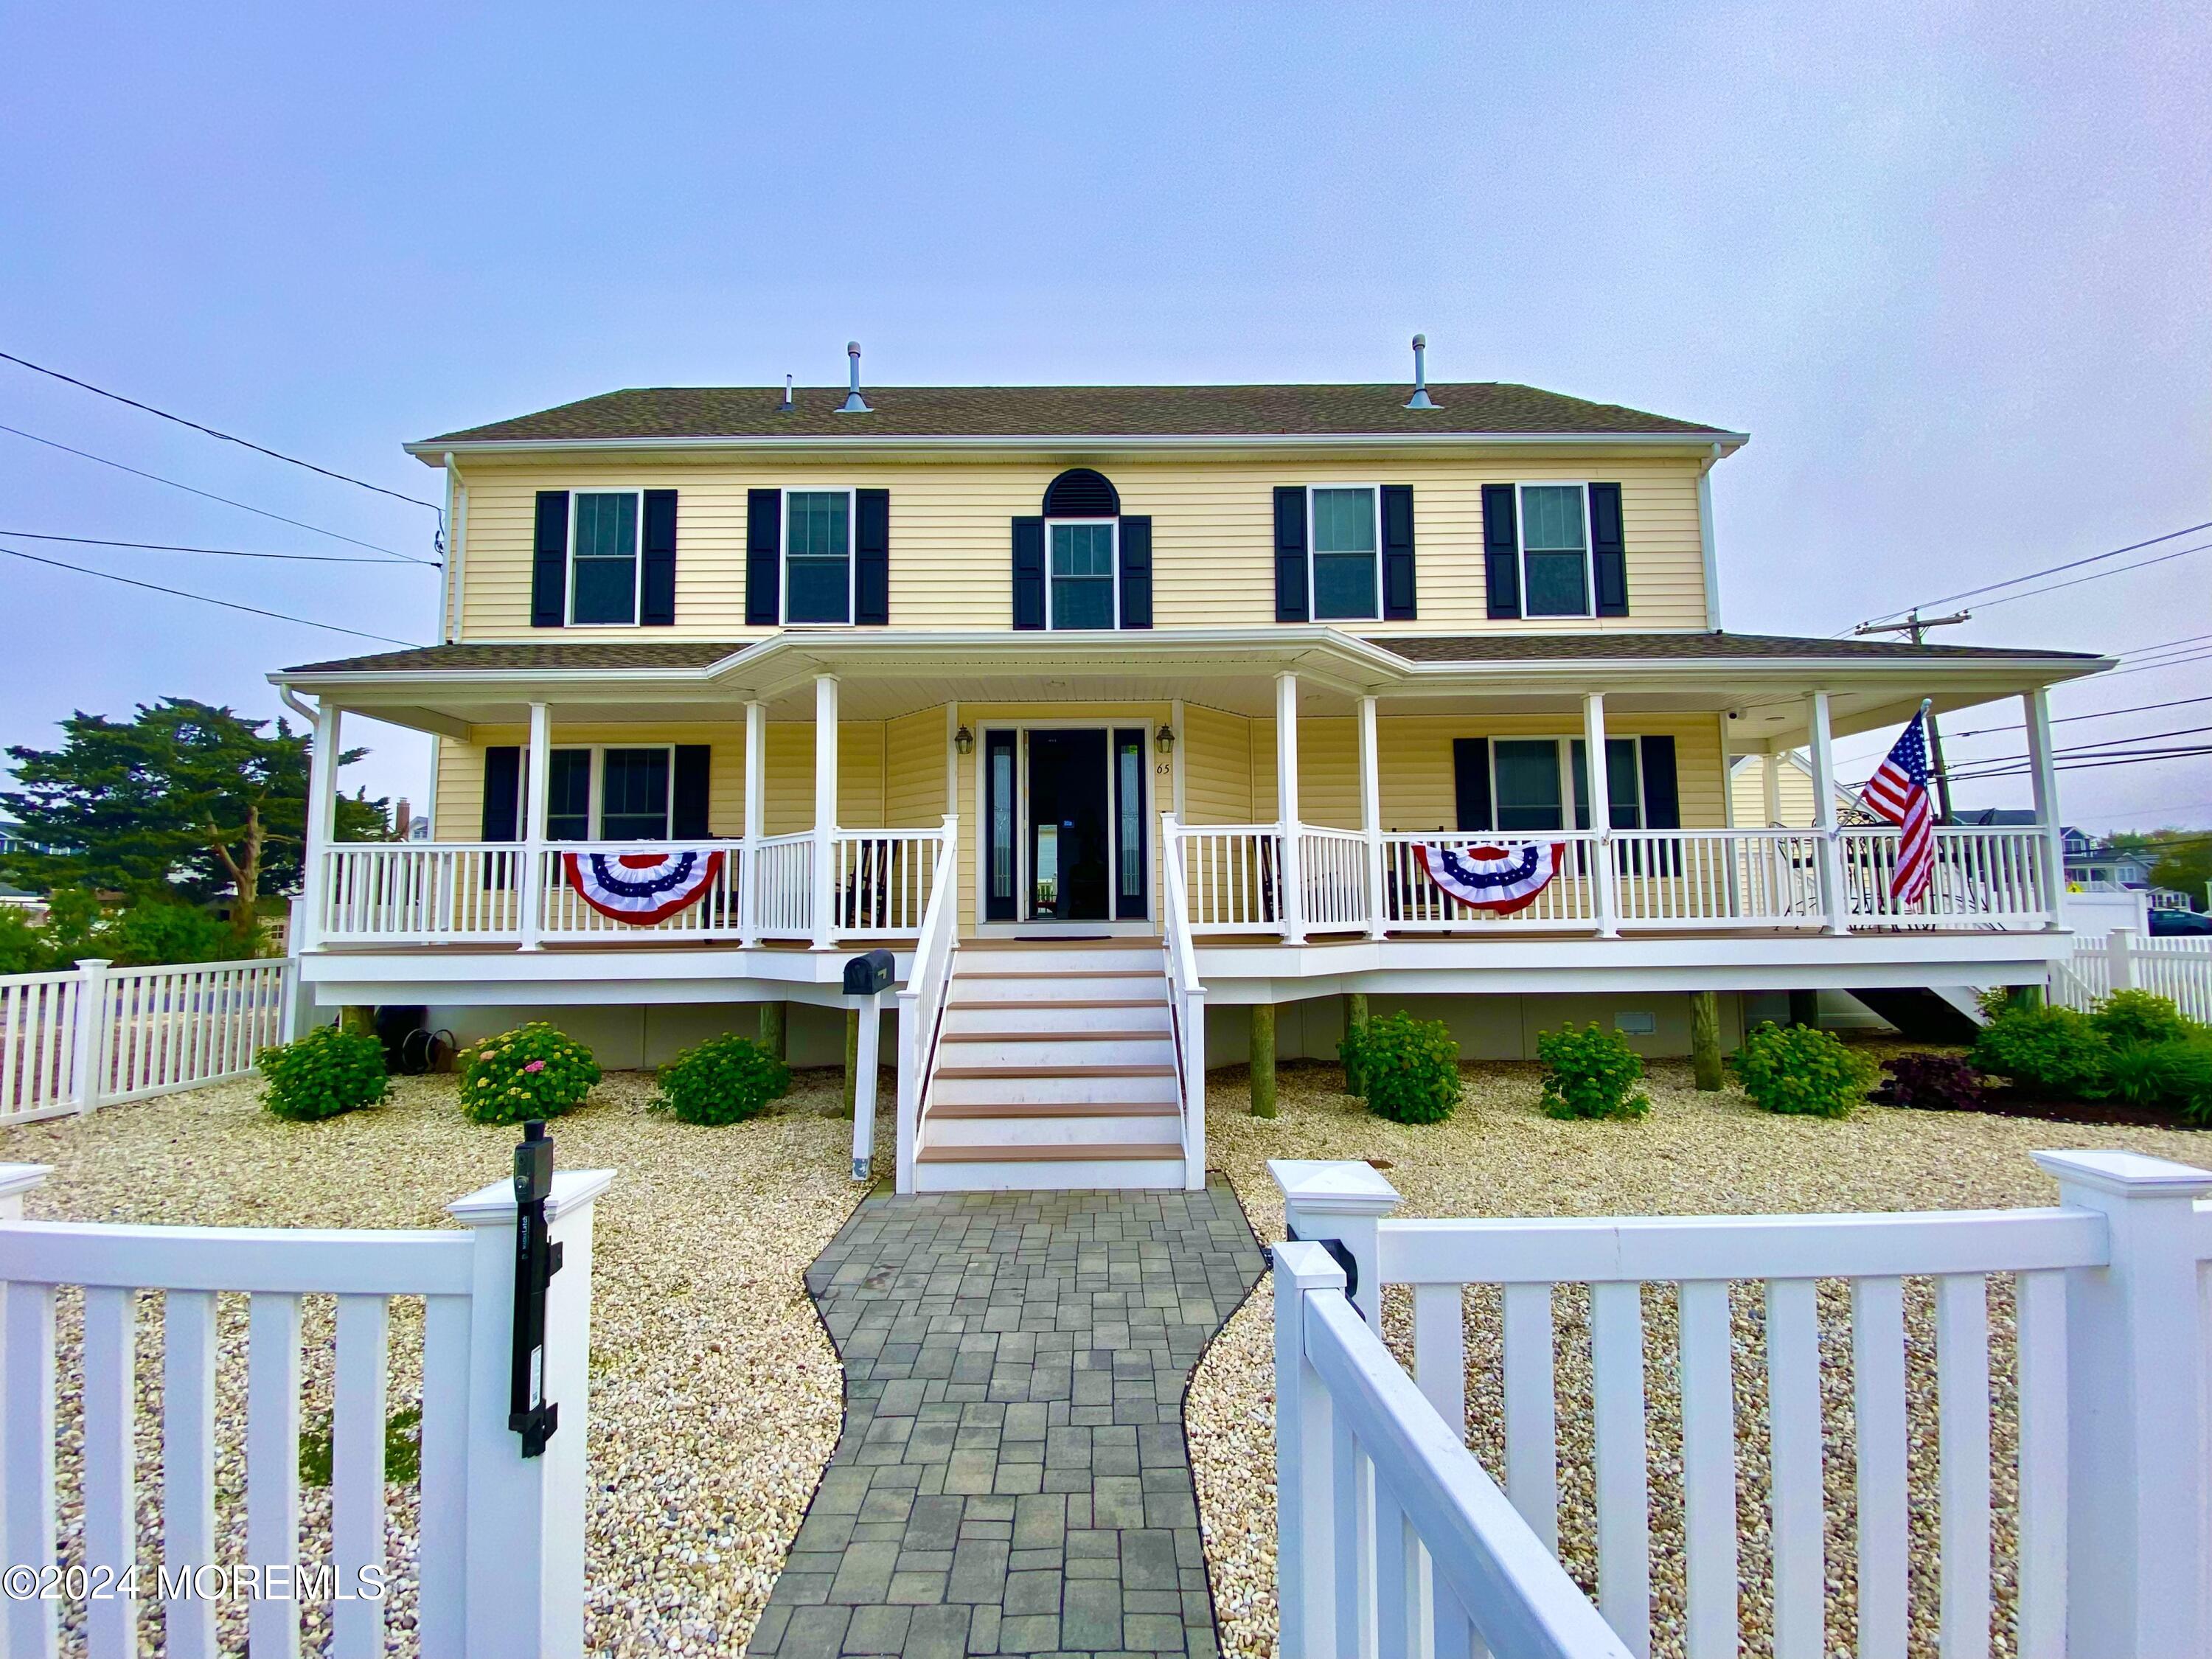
column 643, row 887
column 1500, row 880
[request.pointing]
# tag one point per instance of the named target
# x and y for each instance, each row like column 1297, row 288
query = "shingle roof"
column 1680, row 647
column 918, row 411
column 620, row 654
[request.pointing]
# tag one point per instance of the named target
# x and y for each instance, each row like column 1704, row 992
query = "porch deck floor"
column 1012, row 1475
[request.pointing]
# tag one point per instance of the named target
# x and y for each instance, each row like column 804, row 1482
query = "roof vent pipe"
column 1420, row 399
column 784, row 408
column 854, row 404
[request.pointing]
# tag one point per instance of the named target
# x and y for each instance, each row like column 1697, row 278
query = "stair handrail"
column 921, row 999
column 1186, row 1003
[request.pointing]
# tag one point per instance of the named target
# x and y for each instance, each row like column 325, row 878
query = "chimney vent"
column 784, row 408
column 1420, row 399
column 855, row 403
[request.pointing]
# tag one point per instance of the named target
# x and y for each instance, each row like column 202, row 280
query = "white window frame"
column 1113, row 573
column 1521, row 546
column 852, row 494
column 1313, row 553
column 1564, row 747
column 594, row 812
column 636, row 557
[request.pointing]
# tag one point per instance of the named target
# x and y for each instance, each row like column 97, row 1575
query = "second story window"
column 818, row 556
column 1083, row 565
column 1347, row 544
column 1555, row 551
column 603, row 543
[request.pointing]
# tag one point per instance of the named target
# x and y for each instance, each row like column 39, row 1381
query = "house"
column 1129, row 718
column 12, row 896
column 2099, row 866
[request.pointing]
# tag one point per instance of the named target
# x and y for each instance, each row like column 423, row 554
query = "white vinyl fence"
column 1393, row 1540
column 96, row 1035
column 2124, row 960
column 500, row 1545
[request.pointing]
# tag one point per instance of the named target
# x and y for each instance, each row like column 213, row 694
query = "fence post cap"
column 2134, row 1175
column 95, row 962
column 1342, row 1186
column 573, row 1190
column 1307, row 1266
column 22, row 1178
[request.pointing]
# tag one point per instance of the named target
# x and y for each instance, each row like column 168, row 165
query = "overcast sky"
column 1948, row 266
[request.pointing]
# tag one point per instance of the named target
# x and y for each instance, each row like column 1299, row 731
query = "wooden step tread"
column 1095, row 942
column 1056, row 1002
column 967, row 1071
column 1163, row 1151
column 1030, row 1108
column 1070, row 1035
column 973, row 973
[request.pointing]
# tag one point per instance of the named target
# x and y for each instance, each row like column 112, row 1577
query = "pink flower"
column 535, row 1065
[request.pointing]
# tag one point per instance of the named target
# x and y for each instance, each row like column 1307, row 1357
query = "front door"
column 1064, row 836
column 1070, row 855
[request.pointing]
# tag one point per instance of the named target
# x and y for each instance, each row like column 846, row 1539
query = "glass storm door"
column 1070, row 848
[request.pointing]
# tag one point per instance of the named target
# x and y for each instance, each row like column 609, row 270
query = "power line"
column 2098, row 576
column 297, row 524
column 2163, row 662
column 228, row 552
column 228, row 437
column 2053, row 570
column 2065, row 719
column 227, row 605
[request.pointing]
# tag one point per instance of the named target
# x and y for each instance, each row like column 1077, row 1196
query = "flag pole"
column 1935, row 763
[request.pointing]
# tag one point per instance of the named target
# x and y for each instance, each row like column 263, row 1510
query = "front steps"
column 1055, row 1070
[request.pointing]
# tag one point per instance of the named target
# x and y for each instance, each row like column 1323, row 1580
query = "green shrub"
column 1934, row 1083
column 1802, row 1071
column 2174, row 1075
column 327, row 1072
column 534, row 1071
column 1590, row 1073
column 726, row 1080
column 153, row 932
column 23, row 948
column 2056, row 1050
column 1411, row 1069
column 2143, row 1017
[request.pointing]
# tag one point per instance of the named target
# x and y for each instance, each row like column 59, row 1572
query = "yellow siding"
column 1217, row 766
column 1747, row 789
column 1212, row 529
column 1415, row 765
column 460, row 769
column 914, row 770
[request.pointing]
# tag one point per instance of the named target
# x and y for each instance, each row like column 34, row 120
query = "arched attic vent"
column 1079, row 493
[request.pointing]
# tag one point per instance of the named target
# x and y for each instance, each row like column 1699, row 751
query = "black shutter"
column 1501, row 550
column 1608, row 549
column 658, row 608
column 687, row 795
column 1136, row 573
column 1398, row 588
column 1662, row 793
column 1471, row 782
column 871, row 553
column 1291, row 554
column 548, row 569
column 763, row 557
column 1028, row 573
column 502, row 793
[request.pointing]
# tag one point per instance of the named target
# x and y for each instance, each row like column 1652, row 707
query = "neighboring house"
column 1253, row 645
column 11, row 841
column 2098, row 864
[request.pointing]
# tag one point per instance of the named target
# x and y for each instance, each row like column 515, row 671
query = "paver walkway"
column 1012, row 1476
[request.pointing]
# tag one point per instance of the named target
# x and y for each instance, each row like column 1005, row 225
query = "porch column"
column 1287, row 807
column 825, row 812
column 2043, row 773
column 1770, row 786
column 1601, row 814
column 537, row 781
column 1370, row 818
column 322, row 820
column 1834, row 897
column 749, row 892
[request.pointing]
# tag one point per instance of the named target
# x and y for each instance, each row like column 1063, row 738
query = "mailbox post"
column 867, row 976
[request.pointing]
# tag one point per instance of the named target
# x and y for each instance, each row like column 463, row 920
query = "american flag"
column 1897, row 792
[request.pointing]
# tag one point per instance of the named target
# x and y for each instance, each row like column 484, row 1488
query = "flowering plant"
column 534, row 1071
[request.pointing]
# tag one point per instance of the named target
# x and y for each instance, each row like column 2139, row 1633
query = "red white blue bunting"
column 643, row 887
column 1500, row 880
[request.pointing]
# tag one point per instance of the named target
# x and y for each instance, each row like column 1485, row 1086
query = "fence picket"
column 110, row 1509
column 28, row 1489
column 1397, row 1580
column 1962, row 1387
column 2039, row 1323
column 1878, row 1402
column 1706, row 1358
column 441, row 1581
column 1532, row 1430
column 272, row 1465
column 188, row 1344
column 357, row 1473
column 1440, row 1352
column 1624, row 1517
column 1352, row 1526
column 1798, row 1504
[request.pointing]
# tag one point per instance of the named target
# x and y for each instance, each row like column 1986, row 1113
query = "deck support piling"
column 1263, row 1060
column 852, row 1057
column 1355, row 1016
column 1705, row 1040
column 771, row 1029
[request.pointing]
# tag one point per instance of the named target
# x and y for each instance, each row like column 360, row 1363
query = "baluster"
column 2040, row 1325
column 188, row 1345
column 1962, row 1387
column 357, row 1473
column 29, row 1494
column 1797, row 1504
column 1352, row 1491
column 272, row 1464
column 111, row 1511
column 1705, row 1352
column 443, row 1551
column 1532, row 1450
column 1624, row 1519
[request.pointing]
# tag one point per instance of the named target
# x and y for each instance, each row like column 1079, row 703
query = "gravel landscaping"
column 715, row 1396
column 1695, row 1154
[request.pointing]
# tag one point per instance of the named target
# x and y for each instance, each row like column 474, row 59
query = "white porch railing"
column 421, row 892
column 562, row 915
column 783, row 893
column 921, row 999
column 500, row 1544
column 1626, row 879
column 882, row 880
column 1187, row 1008
column 2125, row 961
column 98, row 1035
column 2113, row 1308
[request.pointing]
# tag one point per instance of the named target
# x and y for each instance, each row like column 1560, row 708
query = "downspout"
column 457, row 515
column 1705, row 540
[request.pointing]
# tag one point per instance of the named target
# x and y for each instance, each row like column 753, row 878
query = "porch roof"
column 1759, row 680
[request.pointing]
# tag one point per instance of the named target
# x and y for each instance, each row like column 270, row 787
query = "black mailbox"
column 869, row 972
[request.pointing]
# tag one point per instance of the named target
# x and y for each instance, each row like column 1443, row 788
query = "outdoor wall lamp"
column 1163, row 740
column 964, row 741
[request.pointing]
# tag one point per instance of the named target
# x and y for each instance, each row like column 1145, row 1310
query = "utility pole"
column 1918, row 626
